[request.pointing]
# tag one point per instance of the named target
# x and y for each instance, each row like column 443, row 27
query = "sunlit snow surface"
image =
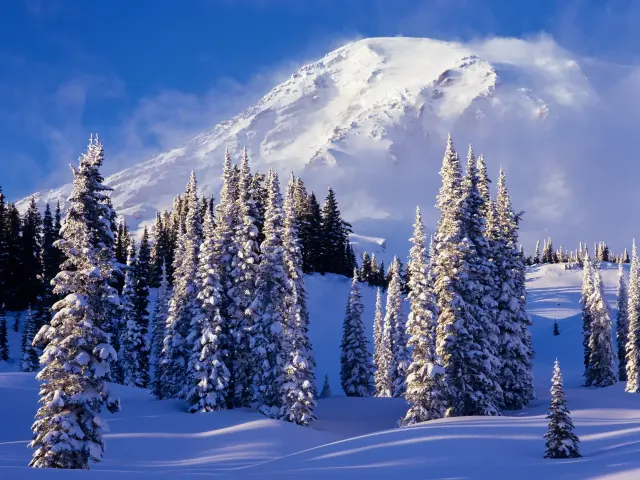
column 356, row 438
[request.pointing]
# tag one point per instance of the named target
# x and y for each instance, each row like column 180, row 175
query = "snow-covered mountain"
column 370, row 119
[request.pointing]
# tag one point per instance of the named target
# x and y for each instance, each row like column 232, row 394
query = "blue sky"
column 148, row 75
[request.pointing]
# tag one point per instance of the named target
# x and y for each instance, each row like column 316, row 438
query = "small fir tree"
column 561, row 442
column 30, row 361
column 16, row 322
column 326, row 389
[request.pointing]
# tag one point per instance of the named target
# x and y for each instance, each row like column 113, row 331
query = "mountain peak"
column 368, row 114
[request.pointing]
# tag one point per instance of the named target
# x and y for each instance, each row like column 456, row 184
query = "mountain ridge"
column 369, row 112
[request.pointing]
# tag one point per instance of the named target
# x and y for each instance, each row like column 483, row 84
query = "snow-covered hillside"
column 356, row 437
column 371, row 119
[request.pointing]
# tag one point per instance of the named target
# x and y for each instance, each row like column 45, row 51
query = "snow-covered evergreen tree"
column 394, row 316
column 384, row 385
column 184, row 304
column 587, row 293
column 4, row 338
column 622, row 324
column 134, row 344
column 271, row 290
column 299, row 389
column 158, row 324
column 208, row 372
column 426, row 390
column 463, row 357
column 378, row 329
column 561, row 442
column 515, row 350
column 78, row 356
column 242, row 309
column 355, row 358
column 633, row 342
column 483, row 275
column 601, row 371
column 226, row 223
column 30, row 361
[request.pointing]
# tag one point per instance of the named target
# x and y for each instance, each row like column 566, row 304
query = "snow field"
column 355, row 437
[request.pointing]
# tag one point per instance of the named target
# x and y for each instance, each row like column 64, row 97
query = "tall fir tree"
column 515, row 346
column 271, row 292
column 622, row 324
column 184, row 304
column 158, row 249
column 312, row 254
column 426, row 390
column 31, row 246
column 208, row 373
column 384, row 367
column 299, row 389
column 4, row 253
column 134, row 344
column 14, row 259
column 482, row 279
column 395, row 317
column 226, row 222
column 259, row 194
column 158, row 324
column 242, row 295
column 77, row 359
column 587, row 292
column 633, row 342
column 561, row 442
column 601, row 369
column 463, row 357
column 355, row 359
column 335, row 233
column 50, row 255
column 378, row 331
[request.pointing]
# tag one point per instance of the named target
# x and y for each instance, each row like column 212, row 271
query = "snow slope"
column 356, row 437
column 371, row 119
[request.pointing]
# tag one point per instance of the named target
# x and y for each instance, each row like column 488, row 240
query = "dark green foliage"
column 4, row 339
column 335, row 254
